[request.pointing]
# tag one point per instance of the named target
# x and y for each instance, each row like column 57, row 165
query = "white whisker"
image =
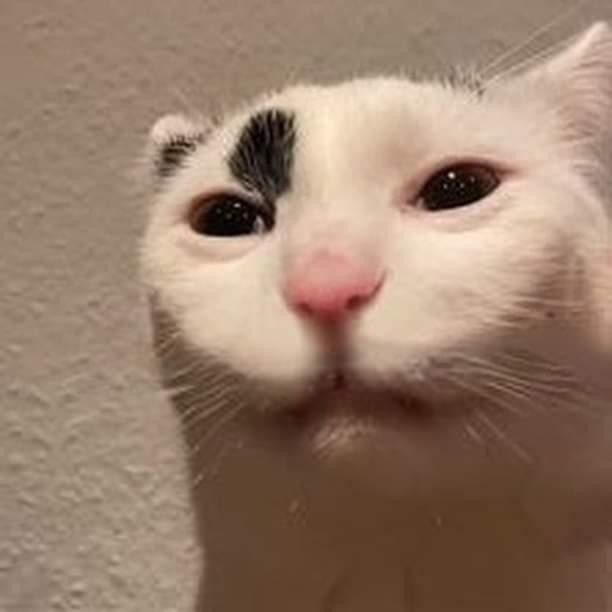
column 473, row 434
column 534, row 37
column 529, row 62
column 197, row 415
column 503, row 437
column 217, row 426
column 482, row 393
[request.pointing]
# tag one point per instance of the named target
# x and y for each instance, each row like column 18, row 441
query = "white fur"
column 456, row 283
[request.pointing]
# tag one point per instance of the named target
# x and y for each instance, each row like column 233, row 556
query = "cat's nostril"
column 355, row 301
column 304, row 309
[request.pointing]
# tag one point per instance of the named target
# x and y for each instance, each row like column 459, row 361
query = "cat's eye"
column 458, row 185
column 228, row 215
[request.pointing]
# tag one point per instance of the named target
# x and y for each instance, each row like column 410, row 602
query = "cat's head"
column 384, row 234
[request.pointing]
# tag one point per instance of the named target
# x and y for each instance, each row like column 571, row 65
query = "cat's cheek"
column 275, row 353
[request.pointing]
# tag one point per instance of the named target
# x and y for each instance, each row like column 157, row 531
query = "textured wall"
column 93, row 507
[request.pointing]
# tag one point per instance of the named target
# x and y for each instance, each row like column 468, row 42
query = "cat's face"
column 381, row 235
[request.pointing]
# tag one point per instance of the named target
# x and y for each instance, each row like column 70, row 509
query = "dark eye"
column 229, row 215
column 457, row 186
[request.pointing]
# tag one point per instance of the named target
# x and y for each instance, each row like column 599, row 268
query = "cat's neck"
column 471, row 577
column 288, row 543
column 465, row 562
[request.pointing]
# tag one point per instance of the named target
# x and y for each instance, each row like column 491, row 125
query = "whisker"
column 200, row 416
column 534, row 37
column 503, row 437
column 529, row 62
column 550, row 372
column 542, row 389
column 215, row 429
column 530, row 381
column 473, row 434
column 202, row 396
column 482, row 393
column 213, row 462
column 519, row 394
column 540, row 386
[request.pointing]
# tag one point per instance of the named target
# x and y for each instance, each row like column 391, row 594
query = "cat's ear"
column 578, row 80
column 172, row 139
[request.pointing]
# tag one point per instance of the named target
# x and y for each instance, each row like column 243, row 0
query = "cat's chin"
column 356, row 426
column 365, row 409
column 382, row 439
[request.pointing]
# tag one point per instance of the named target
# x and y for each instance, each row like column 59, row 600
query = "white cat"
column 381, row 310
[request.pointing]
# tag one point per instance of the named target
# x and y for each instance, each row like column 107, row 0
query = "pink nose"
column 329, row 287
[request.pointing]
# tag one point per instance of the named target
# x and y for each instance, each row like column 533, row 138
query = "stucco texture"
column 94, row 510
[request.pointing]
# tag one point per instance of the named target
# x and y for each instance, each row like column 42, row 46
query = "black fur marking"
column 466, row 79
column 174, row 151
column 262, row 160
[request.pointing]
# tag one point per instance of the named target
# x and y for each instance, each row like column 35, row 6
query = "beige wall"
column 93, row 506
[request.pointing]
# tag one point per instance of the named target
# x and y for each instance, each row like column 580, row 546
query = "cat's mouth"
column 338, row 393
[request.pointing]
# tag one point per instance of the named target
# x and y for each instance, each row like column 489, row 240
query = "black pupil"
column 232, row 217
column 459, row 186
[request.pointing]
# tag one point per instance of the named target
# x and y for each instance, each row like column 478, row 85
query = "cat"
column 381, row 309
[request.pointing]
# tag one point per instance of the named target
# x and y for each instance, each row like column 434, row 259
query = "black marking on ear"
column 172, row 153
column 262, row 160
column 466, row 79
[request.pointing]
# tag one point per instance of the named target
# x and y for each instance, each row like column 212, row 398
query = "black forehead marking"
column 262, row 159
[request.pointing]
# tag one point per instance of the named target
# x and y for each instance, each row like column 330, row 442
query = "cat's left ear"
column 578, row 80
column 172, row 139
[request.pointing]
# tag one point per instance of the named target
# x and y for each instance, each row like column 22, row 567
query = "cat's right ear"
column 172, row 139
column 578, row 83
